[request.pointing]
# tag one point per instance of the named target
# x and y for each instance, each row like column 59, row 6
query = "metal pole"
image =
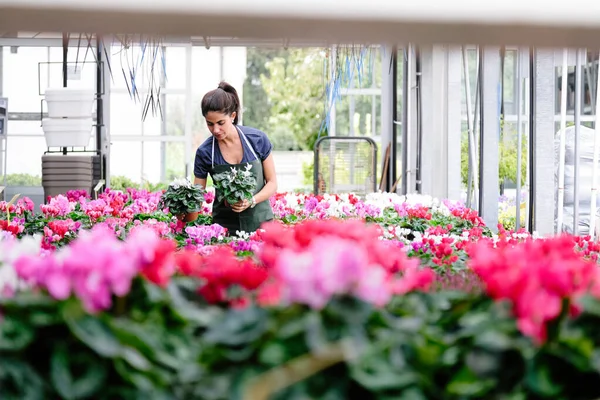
column 405, row 119
column 1, row 70
column 394, row 140
column 163, row 124
column 561, row 149
column 589, row 77
column 595, row 159
column 65, row 49
column 419, row 116
column 578, row 92
column 100, row 104
column 519, row 138
column 470, row 124
column 532, row 140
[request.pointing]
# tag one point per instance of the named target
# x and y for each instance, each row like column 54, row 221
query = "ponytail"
column 224, row 99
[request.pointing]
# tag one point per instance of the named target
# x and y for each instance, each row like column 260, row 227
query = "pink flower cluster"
column 537, row 277
column 319, row 259
column 204, row 234
column 162, row 229
column 23, row 205
column 58, row 206
column 94, row 267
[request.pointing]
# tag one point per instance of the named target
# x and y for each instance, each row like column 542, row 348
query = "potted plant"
column 235, row 185
column 183, row 199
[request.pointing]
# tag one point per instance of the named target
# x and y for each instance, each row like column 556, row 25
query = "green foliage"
column 121, row 183
column 257, row 109
column 308, row 173
column 22, row 180
column 182, row 198
column 507, row 167
column 296, row 92
column 118, row 182
column 168, row 344
column 235, row 185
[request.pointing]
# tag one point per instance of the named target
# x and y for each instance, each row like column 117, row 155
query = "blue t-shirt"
column 258, row 140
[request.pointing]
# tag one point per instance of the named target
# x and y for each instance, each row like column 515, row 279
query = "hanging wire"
column 347, row 64
column 143, row 65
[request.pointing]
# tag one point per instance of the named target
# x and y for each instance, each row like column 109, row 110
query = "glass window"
column 81, row 68
column 172, row 107
column 126, row 160
column 24, row 128
column 175, row 68
column 125, row 115
column 20, row 77
column 24, row 160
column 206, row 70
column 358, row 115
column 150, row 161
column 175, row 160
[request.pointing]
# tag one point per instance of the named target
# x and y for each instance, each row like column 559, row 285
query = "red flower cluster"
column 11, row 227
column 443, row 253
column 57, row 230
column 587, row 248
column 536, row 277
column 469, row 215
column 221, row 270
column 159, row 269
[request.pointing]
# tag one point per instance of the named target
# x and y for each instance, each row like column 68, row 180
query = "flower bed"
column 340, row 297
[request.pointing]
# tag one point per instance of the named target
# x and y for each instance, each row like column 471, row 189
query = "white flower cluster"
column 245, row 172
column 181, row 182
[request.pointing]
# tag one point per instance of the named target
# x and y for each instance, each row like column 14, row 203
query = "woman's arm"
column 270, row 180
column 200, row 181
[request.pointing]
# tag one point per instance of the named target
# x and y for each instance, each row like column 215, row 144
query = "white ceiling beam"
column 516, row 22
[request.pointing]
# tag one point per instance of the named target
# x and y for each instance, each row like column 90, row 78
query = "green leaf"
column 91, row 374
column 539, row 379
column 135, row 358
column 95, row 334
column 238, row 327
column 466, row 383
column 189, row 311
column 19, row 381
column 14, row 334
column 376, row 373
column 274, row 353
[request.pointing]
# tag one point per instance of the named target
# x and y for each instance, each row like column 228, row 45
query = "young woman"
column 233, row 145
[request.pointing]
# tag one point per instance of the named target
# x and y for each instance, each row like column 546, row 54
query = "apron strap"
column 212, row 157
column 248, row 143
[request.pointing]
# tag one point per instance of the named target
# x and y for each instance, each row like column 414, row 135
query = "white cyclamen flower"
column 180, row 182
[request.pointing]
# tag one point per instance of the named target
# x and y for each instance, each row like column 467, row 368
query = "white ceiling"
column 528, row 22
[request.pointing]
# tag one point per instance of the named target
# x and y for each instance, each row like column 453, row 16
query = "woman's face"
column 219, row 124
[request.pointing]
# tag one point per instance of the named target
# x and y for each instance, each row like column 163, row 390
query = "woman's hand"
column 240, row 206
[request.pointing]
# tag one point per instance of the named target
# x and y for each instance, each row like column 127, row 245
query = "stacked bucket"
column 61, row 173
column 69, row 125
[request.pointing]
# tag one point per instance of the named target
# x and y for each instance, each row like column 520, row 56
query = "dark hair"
column 224, row 99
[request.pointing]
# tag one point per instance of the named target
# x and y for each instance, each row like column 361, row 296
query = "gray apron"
column 250, row 219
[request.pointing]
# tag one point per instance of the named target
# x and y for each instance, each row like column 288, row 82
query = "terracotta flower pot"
column 189, row 217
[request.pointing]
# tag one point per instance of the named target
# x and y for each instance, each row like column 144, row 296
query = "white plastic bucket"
column 67, row 132
column 69, row 102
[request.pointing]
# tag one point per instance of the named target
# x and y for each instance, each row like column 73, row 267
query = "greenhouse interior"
column 152, row 123
column 411, row 211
